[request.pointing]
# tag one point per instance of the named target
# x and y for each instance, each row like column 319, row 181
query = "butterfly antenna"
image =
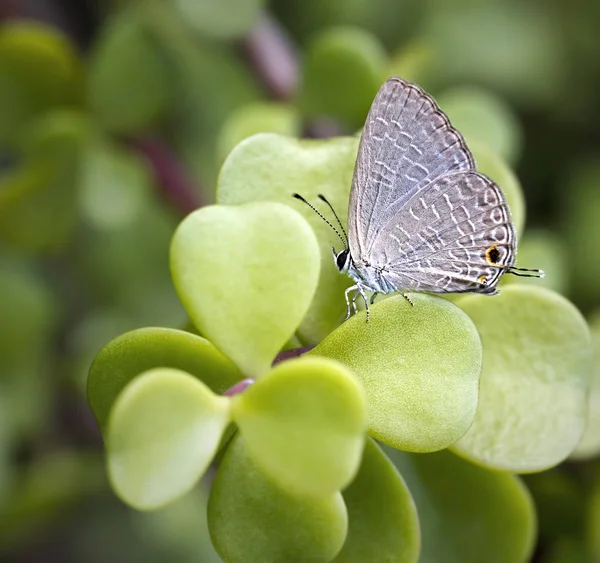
column 525, row 273
column 298, row 196
column 323, row 198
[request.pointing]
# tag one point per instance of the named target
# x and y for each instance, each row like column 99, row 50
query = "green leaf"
column 115, row 185
column 559, row 496
column 125, row 357
column 545, row 250
column 589, row 445
column 250, row 519
column 257, row 117
column 383, row 522
column 535, row 378
column 468, row 514
column 304, row 425
column 246, row 275
column 38, row 203
column 270, row 167
column 581, row 204
column 163, row 431
column 39, row 70
column 343, row 69
column 419, row 366
column 129, row 80
column 223, row 19
column 493, row 166
column 485, row 118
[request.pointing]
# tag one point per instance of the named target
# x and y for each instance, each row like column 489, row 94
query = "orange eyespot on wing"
column 492, row 255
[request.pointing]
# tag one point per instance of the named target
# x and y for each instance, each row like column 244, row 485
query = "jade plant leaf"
column 468, row 514
column 132, row 353
column 163, row 431
column 39, row 70
column 382, row 518
column 130, row 82
column 343, row 69
column 534, row 382
column 547, row 251
column 270, row 167
column 250, row 519
column 419, row 366
column 226, row 19
column 257, row 117
column 483, row 117
column 246, row 275
column 304, row 425
column 115, row 185
column 589, row 445
column 493, row 166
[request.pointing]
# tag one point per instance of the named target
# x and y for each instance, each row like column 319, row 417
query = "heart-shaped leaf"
column 468, row 514
column 419, row 366
column 589, row 445
column 246, row 275
column 343, row 69
column 163, row 431
column 138, row 351
column 270, row 167
column 493, row 166
column 483, row 117
column 304, row 424
column 250, row 519
column 382, row 518
column 535, row 378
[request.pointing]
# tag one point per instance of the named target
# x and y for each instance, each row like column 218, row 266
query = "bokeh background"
column 114, row 120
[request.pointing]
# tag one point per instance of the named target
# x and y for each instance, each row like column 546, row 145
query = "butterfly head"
column 342, row 259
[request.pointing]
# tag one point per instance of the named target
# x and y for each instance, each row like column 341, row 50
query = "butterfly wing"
column 407, row 142
column 455, row 235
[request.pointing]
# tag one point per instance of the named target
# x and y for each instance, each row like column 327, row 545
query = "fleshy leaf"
column 481, row 116
column 221, row 19
column 419, row 366
column 493, row 166
column 246, row 275
column 250, row 519
column 382, row 518
column 270, row 167
column 258, row 117
column 39, row 70
column 304, row 425
column 534, row 382
column 343, row 69
column 130, row 82
column 468, row 514
column 163, row 431
column 545, row 250
column 138, row 351
column 589, row 445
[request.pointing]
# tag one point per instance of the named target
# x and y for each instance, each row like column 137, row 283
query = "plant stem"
column 171, row 178
column 273, row 56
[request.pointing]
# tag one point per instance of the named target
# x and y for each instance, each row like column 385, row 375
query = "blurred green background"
column 115, row 117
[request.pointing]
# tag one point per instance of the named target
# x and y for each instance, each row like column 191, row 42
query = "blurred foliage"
column 111, row 132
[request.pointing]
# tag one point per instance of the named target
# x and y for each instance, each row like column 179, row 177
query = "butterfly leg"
column 351, row 288
column 373, row 298
column 407, row 298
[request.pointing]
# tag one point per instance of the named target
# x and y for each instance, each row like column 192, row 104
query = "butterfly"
column 421, row 217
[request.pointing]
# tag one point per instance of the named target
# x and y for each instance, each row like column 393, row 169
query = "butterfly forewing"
column 407, row 142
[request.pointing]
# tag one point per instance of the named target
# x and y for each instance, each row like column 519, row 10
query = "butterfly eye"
column 341, row 259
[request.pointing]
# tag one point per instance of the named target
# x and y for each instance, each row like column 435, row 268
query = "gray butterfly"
column 421, row 218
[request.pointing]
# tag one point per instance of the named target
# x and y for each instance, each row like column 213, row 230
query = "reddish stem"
column 273, row 56
column 239, row 387
column 171, row 178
